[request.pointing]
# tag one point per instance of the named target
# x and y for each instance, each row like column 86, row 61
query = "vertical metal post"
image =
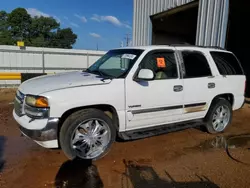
column 87, row 60
column 43, row 64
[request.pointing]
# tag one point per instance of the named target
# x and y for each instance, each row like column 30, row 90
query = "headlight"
column 36, row 113
column 36, row 106
column 37, row 101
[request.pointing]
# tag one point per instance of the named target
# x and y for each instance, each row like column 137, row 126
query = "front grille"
column 18, row 107
column 18, row 103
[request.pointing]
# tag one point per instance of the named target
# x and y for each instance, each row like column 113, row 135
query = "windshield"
column 115, row 63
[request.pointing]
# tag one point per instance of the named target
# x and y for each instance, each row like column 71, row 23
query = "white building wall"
column 48, row 60
column 13, row 59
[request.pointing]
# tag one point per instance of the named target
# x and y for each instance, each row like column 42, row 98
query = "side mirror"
column 145, row 74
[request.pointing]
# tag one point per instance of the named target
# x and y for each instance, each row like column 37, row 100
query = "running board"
column 162, row 129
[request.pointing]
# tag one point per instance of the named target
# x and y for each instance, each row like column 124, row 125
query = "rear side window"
column 227, row 63
column 196, row 65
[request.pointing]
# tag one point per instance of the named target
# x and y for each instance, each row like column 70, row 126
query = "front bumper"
column 46, row 132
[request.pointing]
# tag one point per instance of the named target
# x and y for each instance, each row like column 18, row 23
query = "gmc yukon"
column 131, row 93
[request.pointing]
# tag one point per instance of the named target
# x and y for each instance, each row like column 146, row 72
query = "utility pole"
column 121, row 44
column 127, row 39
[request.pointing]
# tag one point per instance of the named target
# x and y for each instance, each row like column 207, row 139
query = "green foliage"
column 19, row 21
column 65, row 36
column 37, row 31
column 5, row 35
column 3, row 20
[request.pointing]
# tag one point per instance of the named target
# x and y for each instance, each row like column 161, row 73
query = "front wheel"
column 87, row 134
column 219, row 116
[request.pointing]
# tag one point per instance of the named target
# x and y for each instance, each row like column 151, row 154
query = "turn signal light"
column 42, row 102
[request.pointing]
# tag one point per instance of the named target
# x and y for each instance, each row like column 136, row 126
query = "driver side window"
column 163, row 65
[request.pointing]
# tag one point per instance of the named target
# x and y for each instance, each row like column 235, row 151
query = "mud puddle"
column 237, row 147
column 223, row 142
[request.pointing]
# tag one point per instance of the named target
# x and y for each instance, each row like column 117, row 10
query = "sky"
column 102, row 22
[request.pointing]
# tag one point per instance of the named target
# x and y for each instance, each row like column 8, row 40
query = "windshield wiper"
column 100, row 73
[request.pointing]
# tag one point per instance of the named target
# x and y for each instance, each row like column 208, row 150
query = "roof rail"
column 181, row 44
column 217, row 47
column 191, row 45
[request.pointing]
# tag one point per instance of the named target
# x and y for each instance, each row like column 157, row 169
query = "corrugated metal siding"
column 143, row 9
column 30, row 60
column 211, row 26
column 13, row 59
column 212, row 22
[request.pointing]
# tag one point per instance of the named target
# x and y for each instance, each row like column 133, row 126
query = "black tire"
column 209, row 117
column 71, row 123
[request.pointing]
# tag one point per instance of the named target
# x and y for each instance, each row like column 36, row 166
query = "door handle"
column 211, row 85
column 178, row 88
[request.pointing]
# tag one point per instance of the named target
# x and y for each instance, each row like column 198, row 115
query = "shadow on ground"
column 83, row 174
column 138, row 176
column 78, row 173
column 2, row 142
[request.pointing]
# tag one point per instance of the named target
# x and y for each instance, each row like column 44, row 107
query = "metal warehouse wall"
column 48, row 60
column 211, row 26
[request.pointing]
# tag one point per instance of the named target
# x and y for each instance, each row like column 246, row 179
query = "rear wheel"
column 219, row 116
column 87, row 134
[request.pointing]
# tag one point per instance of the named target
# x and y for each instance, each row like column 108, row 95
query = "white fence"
column 44, row 60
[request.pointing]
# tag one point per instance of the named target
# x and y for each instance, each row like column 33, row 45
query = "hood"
column 47, row 83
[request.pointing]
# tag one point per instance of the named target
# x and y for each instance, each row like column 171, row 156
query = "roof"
column 200, row 48
column 152, row 47
column 177, row 46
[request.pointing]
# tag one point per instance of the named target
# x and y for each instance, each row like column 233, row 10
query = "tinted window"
column 163, row 64
column 227, row 63
column 196, row 65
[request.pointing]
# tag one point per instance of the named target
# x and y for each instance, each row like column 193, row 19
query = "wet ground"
column 190, row 158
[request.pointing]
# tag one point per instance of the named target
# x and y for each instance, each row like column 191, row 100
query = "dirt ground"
column 189, row 158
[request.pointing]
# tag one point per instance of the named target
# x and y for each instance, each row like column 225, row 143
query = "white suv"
column 131, row 93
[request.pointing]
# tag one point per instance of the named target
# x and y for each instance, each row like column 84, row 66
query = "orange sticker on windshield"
column 161, row 63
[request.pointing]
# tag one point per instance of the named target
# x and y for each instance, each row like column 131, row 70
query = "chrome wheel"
column 91, row 138
column 221, row 118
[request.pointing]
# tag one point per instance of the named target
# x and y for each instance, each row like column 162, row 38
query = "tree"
column 3, row 21
column 64, row 38
column 19, row 21
column 41, row 31
column 37, row 31
column 5, row 35
column 43, row 25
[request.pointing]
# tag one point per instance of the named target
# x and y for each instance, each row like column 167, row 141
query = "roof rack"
column 191, row 45
column 217, row 47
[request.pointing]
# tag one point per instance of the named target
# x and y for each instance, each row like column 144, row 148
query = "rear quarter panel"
column 233, row 85
column 229, row 84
